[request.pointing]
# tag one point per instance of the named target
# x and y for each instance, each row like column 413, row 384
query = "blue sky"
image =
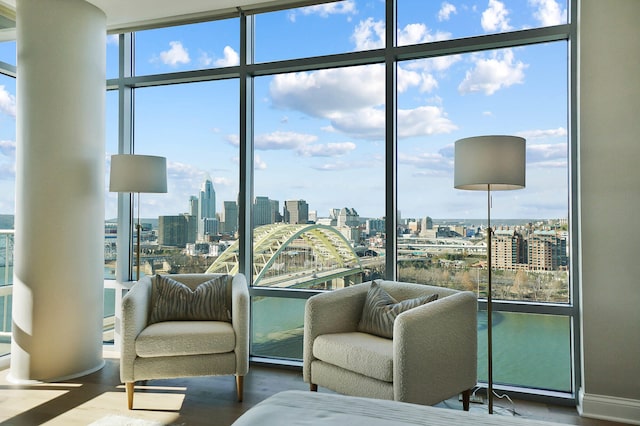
column 319, row 135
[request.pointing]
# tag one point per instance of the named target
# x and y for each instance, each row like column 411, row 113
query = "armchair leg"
column 466, row 398
column 240, row 387
column 129, row 388
column 313, row 387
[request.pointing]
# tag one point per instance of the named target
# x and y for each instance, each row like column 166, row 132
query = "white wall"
column 609, row 206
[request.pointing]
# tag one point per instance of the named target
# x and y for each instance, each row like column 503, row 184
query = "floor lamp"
column 489, row 163
column 136, row 174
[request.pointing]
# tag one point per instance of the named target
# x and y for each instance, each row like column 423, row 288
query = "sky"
column 319, row 135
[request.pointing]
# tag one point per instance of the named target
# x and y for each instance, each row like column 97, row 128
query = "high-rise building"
column 296, row 212
column 229, row 218
column 193, row 206
column 348, row 217
column 206, row 208
column 262, row 211
column 177, row 230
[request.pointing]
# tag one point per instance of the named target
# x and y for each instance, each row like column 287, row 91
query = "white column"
column 58, row 272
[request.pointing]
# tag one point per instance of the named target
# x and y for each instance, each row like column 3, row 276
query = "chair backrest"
column 191, row 280
column 403, row 290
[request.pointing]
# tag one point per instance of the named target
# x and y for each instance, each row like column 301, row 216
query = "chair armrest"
column 135, row 312
column 240, row 321
column 436, row 343
column 337, row 311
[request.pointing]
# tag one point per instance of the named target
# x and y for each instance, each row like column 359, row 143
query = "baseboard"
column 610, row 408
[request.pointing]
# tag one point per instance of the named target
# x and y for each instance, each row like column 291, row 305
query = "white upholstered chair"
column 431, row 356
column 170, row 349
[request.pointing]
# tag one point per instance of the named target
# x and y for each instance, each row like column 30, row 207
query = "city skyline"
column 319, row 135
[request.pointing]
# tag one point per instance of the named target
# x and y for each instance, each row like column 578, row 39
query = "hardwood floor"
column 189, row 401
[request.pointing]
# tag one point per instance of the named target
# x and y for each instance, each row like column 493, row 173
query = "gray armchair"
column 171, row 349
column 431, row 357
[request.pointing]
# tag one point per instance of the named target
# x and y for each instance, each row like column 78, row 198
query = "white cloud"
column 337, row 8
column 326, row 92
column 445, row 11
column 543, row 133
column 176, row 55
column 547, row 155
column 8, row 148
column 327, row 150
column 7, row 102
column 495, row 17
column 352, row 99
column 424, row 120
column 370, row 34
column 258, row 163
column 347, row 7
column 231, row 58
column 283, row 140
column 430, row 164
column 549, row 12
column 205, row 60
column 492, row 74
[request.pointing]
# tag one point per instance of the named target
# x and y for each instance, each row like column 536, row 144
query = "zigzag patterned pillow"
column 381, row 309
column 173, row 301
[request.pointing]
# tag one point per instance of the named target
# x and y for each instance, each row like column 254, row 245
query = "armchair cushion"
column 381, row 309
column 177, row 338
column 174, row 301
column 363, row 353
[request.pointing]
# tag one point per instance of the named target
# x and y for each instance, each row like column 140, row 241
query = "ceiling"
column 129, row 15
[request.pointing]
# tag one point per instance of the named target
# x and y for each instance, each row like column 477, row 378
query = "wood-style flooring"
column 189, row 401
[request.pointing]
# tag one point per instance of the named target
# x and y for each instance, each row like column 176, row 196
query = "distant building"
column 296, row 212
column 374, row 227
column 229, row 218
column 206, row 209
column 177, row 231
column 262, row 211
column 507, row 250
column 546, row 251
column 348, row 217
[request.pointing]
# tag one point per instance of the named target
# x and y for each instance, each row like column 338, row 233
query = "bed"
column 314, row 408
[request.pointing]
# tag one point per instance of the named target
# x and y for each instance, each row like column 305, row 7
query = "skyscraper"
column 296, row 211
column 206, row 207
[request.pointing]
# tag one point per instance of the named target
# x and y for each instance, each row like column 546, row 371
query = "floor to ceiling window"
column 7, row 186
column 348, row 121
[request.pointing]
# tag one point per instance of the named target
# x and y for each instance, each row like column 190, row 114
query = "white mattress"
column 313, row 408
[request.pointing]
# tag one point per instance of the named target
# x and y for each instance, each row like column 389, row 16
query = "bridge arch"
column 328, row 245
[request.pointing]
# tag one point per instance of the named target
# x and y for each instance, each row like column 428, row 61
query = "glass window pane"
column 422, row 22
column 188, row 47
column 113, row 44
column 277, row 327
column 111, row 198
column 324, row 29
column 7, row 203
column 315, row 132
column 193, row 126
column 8, row 52
column 529, row 350
column 521, row 92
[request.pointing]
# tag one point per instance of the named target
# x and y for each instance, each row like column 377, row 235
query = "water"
column 529, row 350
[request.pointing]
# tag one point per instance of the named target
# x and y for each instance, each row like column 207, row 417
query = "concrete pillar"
column 60, row 178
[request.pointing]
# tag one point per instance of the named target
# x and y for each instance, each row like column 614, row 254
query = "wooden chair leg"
column 129, row 388
column 466, row 398
column 313, row 387
column 240, row 387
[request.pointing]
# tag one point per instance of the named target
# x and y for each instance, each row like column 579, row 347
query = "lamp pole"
column 489, row 309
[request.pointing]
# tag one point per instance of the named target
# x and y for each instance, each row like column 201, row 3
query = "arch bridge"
column 289, row 255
